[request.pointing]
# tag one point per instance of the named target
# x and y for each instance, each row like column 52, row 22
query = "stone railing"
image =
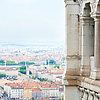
column 89, row 89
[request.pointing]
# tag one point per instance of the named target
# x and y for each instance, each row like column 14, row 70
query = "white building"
column 49, row 90
column 59, row 78
column 0, row 91
column 8, row 71
column 14, row 91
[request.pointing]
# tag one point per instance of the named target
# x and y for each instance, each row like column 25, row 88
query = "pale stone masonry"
column 81, row 77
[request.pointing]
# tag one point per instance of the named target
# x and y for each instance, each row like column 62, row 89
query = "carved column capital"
column 85, row 9
column 95, row 10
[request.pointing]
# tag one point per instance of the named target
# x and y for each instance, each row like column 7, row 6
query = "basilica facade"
column 81, row 77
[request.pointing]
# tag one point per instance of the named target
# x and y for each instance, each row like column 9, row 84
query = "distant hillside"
column 55, row 43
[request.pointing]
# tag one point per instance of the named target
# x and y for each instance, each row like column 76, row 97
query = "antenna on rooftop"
column 48, row 62
column 5, row 63
column 25, row 62
column 48, row 59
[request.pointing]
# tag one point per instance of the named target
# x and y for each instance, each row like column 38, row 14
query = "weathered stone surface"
column 89, row 84
column 81, row 70
column 95, row 74
column 72, row 93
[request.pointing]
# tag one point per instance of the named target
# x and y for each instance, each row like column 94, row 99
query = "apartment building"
column 27, row 93
column 59, row 78
column 8, row 71
column 27, row 90
column 0, row 91
column 37, row 93
column 24, row 90
column 16, row 92
column 49, row 90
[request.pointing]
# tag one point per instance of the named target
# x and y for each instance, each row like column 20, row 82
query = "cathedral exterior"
column 81, row 78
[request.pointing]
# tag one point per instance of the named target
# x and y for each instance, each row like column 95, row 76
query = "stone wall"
column 82, row 29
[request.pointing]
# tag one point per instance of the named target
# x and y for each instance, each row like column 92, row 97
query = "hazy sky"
column 31, row 20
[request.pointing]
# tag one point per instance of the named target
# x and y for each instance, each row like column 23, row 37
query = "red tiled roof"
column 36, row 89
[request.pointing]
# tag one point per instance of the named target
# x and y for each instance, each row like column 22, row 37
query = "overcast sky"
column 31, row 20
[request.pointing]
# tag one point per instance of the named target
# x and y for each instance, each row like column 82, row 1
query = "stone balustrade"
column 87, row 94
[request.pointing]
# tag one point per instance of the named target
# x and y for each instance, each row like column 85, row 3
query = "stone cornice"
column 89, row 84
column 83, row 82
column 70, row 2
column 73, row 57
column 70, row 80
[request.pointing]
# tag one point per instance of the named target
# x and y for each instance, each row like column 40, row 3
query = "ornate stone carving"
column 95, row 10
column 84, row 9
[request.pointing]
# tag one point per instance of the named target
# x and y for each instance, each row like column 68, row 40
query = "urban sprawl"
column 31, row 72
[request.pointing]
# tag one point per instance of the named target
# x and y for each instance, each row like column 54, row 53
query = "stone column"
column 72, row 70
column 95, row 74
column 87, row 39
column 87, row 44
column 97, row 43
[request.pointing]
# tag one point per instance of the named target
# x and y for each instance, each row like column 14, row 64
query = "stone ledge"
column 70, row 80
column 73, row 57
column 89, row 84
column 89, row 81
column 84, row 82
column 72, row 72
column 70, row 77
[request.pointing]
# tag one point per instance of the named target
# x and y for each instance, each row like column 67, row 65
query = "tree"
column 18, row 68
column 33, row 77
column 30, row 72
column 2, row 75
column 46, row 62
column 30, row 63
column 27, row 63
column 63, row 58
column 21, row 63
column 33, row 98
column 56, row 66
column 51, row 62
column 42, row 79
column 23, row 68
column 2, row 61
column 11, row 63
column 23, row 71
column 19, row 74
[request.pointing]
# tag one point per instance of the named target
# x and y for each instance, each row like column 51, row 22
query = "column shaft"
column 95, row 73
column 97, row 44
column 87, row 45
